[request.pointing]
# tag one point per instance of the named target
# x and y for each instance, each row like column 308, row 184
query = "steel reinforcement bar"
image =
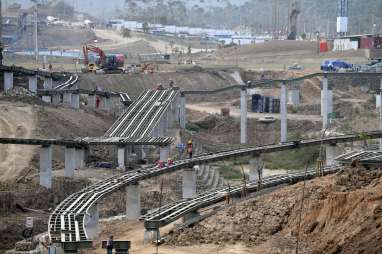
column 79, row 204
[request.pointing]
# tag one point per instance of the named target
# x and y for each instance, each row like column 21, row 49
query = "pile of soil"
column 332, row 222
column 17, row 199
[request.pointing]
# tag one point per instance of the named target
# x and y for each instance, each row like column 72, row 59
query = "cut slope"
column 341, row 214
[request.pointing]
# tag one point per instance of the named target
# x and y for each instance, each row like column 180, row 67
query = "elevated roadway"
column 173, row 211
column 68, row 221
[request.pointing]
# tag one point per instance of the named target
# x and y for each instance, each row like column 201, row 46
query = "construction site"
column 137, row 129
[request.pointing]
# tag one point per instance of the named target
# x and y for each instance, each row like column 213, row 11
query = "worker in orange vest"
column 189, row 148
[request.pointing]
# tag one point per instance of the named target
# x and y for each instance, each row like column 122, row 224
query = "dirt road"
column 133, row 231
column 213, row 108
column 15, row 121
column 116, row 41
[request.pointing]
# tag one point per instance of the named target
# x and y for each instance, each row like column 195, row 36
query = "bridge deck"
column 81, row 202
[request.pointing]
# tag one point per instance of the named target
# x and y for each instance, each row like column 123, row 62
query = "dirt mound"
column 332, row 222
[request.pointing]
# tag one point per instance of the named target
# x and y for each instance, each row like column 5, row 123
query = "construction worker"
column 109, row 245
column 189, row 148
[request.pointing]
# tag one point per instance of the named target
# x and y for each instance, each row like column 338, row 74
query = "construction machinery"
column 108, row 63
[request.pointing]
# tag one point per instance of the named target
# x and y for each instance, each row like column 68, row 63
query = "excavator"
column 105, row 63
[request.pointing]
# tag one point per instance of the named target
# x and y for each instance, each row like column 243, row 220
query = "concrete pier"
column 294, row 96
column 256, row 170
column 332, row 151
column 324, row 103
column 56, row 99
column 133, row 202
column 92, row 101
column 48, row 83
column 75, row 101
column 32, row 84
column 189, row 183
column 70, row 161
column 67, row 99
column 8, row 81
column 91, row 222
column 164, row 153
column 182, row 112
column 380, row 116
column 283, row 112
column 46, row 166
column 243, row 116
column 121, row 157
column 46, row 99
column 80, row 158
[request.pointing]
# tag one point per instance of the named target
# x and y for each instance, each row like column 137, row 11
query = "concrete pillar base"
column 67, row 98
column 121, row 157
column 189, row 183
column 133, row 202
column 48, row 83
column 283, row 112
column 8, row 81
column 32, row 84
column 332, row 152
column 92, row 101
column 75, row 101
column 70, row 161
column 56, row 99
column 46, row 99
column 243, row 116
column 182, row 112
column 91, row 222
column 164, row 153
column 255, row 171
column 46, row 166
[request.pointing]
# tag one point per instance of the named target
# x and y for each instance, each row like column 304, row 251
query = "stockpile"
column 336, row 217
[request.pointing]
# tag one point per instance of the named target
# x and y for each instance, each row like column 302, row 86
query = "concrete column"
column 182, row 112
column 92, row 101
column 164, row 153
column 67, row 98
column 380, row 115
column 32, row 84
column 75, row 101
column 91, row 222
column 163, row 126
column 48, row 83
column 324, row 103
column 331, row 153
column 255, row 171
column 189, row 183
column 70, row 161
column 121, row 157
column 283, row 112
column 133, row 202
column 80, row 158
column 46, row 99
column 329, row 102
column 8, row 81
column 243, row 116
column 56, row 99
column 46, row 166
column 294, row 96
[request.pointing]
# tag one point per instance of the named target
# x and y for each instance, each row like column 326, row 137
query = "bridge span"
column 75, row 220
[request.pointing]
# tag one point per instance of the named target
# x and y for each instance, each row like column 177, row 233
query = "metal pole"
column 35, row 33
column 325, row 103
column 243, row 116
column 283, row 112
column 380, row 115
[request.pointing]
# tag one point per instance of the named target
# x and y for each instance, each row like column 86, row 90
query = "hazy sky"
column 102, row 8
